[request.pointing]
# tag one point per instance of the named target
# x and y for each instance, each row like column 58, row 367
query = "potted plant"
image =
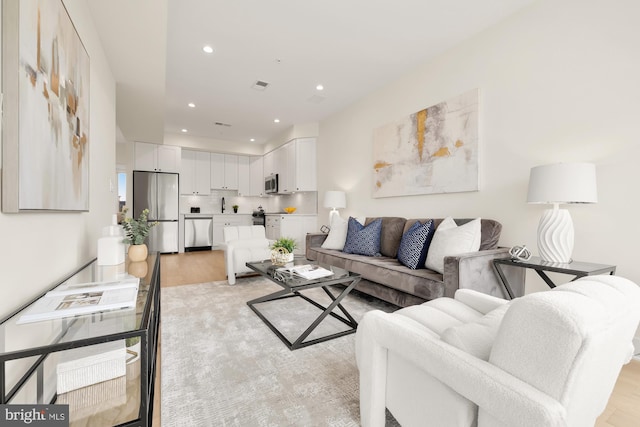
column 135, row 233
column 282, row 250
column 235, row 208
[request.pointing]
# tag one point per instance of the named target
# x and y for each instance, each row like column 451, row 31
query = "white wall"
column 39, row 249
column 558, row 82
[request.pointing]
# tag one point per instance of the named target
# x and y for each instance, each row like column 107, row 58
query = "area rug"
column 222, row 366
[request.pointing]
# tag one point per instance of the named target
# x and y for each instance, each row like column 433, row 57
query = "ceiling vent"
column 316, row 99
column 223, row 124
column 260, row 85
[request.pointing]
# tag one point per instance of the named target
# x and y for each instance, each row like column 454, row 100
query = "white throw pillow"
column 337, row 235
column 451, row 239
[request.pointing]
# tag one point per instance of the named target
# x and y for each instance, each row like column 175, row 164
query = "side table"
column 576, row 268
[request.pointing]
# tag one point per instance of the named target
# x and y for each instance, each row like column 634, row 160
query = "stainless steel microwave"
column 271, row 183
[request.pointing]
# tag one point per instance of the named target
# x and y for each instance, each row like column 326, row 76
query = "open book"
column 309, row 271
column 83, row 299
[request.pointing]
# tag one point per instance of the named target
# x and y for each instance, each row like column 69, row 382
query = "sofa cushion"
column 451, row 239
column 392, row 229
column 415, row 244
column 337, row 235
column 423, row 283
column 476, row 338
column 490, row 230
column 363, row 240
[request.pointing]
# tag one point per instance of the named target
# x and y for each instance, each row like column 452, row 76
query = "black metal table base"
column 300, row 342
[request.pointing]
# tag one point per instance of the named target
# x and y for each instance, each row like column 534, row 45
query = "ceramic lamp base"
column 555, row 236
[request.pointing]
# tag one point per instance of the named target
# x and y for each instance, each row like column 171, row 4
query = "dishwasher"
column 197, row 233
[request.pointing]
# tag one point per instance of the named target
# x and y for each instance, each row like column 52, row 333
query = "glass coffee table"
column 293, row 284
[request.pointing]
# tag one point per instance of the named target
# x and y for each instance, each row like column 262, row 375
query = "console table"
column 30, row 350
column 575, row 268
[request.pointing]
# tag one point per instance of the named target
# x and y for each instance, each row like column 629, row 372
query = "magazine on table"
column 83, row 299
column 309, row 271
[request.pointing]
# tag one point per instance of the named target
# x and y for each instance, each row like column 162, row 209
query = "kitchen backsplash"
column 305, row 202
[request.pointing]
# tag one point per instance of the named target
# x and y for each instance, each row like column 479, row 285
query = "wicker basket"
column 281, row 256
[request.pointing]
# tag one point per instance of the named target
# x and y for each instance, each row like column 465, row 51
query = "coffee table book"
column 83, row 299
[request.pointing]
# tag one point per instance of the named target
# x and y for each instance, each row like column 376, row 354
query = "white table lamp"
column 334, row 200
column 556, row 184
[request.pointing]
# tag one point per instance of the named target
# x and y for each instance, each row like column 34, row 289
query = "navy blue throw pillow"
column 363, row 240
column 415, row 244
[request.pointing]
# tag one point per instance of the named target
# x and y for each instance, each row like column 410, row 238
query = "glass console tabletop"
column 31, row 352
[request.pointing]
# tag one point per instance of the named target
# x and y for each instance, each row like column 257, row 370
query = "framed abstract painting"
column 45, row 134
column 432, row 151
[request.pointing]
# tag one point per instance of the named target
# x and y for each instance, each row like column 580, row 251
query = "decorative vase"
column 138, row 252
column 281, row 256
column 235, row 210
column 138, row 269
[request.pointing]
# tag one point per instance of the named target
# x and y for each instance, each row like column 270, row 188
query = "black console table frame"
column 146, row 327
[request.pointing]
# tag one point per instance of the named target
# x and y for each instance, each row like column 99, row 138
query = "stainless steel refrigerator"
column 158, row 192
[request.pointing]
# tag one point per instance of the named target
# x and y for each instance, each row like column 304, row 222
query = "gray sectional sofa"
column 384, row 277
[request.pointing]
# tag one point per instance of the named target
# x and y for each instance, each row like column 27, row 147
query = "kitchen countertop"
column 293, row 214
column 209, row 215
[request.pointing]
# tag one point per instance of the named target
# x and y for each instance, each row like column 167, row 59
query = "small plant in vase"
column 235, row 208
column 282, row 251
column 135, row 233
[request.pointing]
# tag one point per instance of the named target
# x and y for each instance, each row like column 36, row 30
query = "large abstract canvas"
column 46, row 86
column 432, row 151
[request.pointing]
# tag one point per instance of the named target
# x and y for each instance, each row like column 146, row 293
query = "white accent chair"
column 242, row 244
column 545, row 359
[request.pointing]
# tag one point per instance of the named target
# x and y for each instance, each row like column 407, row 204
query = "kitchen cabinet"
column 250, row 176
column 195, row 173
column 292, row 226
column 256, row 176
column 305, row 165
column 224, row 171
column 156, row 157
column 295, row 164
column 268, row 164
column 272, row 227
column 244, row 176
column 221, row 221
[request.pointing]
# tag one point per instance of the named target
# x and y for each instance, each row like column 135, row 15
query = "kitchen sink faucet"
column 223, row 205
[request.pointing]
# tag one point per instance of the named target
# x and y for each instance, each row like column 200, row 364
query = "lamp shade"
column 335, row 200
column 563, row 183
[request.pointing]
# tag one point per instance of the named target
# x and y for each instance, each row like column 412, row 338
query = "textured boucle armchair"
column 386, row 278
column 546, row 359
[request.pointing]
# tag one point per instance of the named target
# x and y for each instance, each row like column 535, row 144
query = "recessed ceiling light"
column 207, row 49
column 276, row 120
column 184, row 131
column 192, row 105
column 319, row 87
column 252, row 139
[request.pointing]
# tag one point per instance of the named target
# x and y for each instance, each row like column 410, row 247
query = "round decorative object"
column 138, row 269
column 281, row 256
column 138, row 252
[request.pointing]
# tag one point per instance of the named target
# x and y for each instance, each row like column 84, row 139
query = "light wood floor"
column 623, row 409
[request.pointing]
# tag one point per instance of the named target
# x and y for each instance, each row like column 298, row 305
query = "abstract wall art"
column 432, row 151
column 45, row 78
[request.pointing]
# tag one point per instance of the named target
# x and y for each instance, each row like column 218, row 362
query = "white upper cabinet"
column 256, row 180
column 296, row 166
column 305, row 165
column 244, row 176
column 195, row 174
column 250, row 176
column 156, row 157
column 224, row 171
